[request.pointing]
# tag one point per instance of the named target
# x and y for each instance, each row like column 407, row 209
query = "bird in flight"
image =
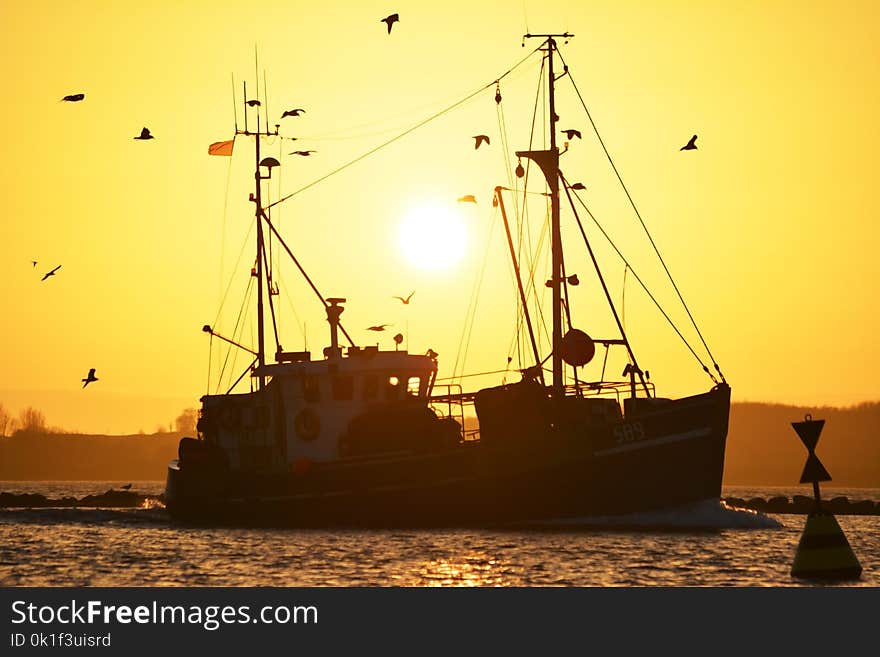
column 73, row 98
column 571, row 133
column 126, row 487
column 303, row 153
column 578, row 186
column 690, row 146
column 406, row 301
column 90, row 378
column 51, row 273
column 293, row 112
column 254, row 103
column 467, row 198
column 479, row 139
column 34, row 263
column 145, row 134
column 378, row 327
column 390, row 20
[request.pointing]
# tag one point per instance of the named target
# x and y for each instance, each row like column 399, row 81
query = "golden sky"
column 769, row 227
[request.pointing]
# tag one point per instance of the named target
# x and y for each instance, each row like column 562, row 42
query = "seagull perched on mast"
column 90, row 378
column 690, row 146
column 51, row 273
column 390, row 20
column 406, row 301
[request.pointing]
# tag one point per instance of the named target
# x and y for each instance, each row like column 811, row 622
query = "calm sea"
column 706, row 545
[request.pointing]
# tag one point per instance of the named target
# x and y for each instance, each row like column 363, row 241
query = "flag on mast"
column 221, row 148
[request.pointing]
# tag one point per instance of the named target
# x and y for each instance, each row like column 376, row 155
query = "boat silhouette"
column 369, row 437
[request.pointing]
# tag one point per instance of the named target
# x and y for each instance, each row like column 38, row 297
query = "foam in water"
column 707, row 514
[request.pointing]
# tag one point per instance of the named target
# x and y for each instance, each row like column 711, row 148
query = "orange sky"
column 769, row 227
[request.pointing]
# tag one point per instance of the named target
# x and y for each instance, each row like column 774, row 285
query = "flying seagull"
column 467, row 198
column 303, row 153
column 578, row 186
column 145, row 134
column 378, row 327
column 690, row 146
column 254, row 103
column 406, row 301
column 73, row 98
column 571, row 133
column 390, row 20
column 91, row 377
column 293, row 112
column 51, row 273
column 34, row 263
column 479, row 139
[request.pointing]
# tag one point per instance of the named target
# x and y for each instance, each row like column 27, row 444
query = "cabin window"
column 371, row 386
column 413, row 384
column 311, row 388
column 392, row 388
column 343, row 388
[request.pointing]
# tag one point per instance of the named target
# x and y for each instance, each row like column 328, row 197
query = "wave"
column 145, row 515
column 704, row 515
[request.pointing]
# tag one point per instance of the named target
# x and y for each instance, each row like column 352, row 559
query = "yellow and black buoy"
column 823, row 551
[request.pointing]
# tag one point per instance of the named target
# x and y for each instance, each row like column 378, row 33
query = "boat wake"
column 145, row 515
column 705, row 515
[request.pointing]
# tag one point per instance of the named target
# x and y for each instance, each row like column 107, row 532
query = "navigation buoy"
column 823, row 551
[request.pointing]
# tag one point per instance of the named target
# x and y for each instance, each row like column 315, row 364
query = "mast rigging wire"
column 405, row 132
column 637, row 277
column 638, row 214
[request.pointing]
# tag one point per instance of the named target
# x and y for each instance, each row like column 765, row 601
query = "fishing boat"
column 362, row 436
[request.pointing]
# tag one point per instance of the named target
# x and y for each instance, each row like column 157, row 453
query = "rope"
column 641, row 221
column 638, row 278
column 406, row 132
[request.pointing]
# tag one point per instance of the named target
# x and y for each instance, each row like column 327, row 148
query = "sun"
column 432, row 237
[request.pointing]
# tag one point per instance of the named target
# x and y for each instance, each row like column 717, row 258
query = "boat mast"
column 257, row 198
column 548, row 160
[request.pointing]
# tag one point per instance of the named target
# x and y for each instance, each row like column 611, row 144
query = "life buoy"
column 307, row 425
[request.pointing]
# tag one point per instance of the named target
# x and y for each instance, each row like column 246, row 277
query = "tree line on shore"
column 33, row 421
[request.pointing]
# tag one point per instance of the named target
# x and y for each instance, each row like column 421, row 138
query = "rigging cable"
column 641, row 221
column 407, row 131
column 638, row 278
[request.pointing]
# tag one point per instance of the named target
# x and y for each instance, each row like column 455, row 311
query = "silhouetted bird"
column 406, row 301
column 578, row 186
column 126, row 487
column 51, row 273
column 303, row 153
column 73, row 98
column 690, row 146
column 479, row 139
column 398, row 339
column 145, row 134
column 34, row 263
column 390, row 20
column 90, row 378
column 293, row 112
column 431, row 353
column 571, row 133
column 467, row 198
column 378, row 327
column 254, row 103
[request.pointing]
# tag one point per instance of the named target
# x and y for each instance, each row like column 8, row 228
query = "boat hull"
column 657, row 458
